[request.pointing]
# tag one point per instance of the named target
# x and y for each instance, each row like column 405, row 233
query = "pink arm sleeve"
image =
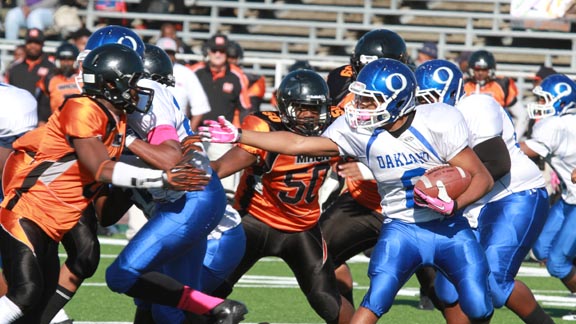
column 162, row 133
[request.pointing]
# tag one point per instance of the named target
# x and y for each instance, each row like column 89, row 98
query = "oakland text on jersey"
column 401, row 159
column 300, row 159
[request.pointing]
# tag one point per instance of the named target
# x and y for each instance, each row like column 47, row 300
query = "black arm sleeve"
column 495, row 156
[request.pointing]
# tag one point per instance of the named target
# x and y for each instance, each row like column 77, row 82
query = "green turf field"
column 272, row 295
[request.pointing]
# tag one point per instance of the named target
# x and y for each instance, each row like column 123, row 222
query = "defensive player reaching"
column 382, row 129
column 278, row 195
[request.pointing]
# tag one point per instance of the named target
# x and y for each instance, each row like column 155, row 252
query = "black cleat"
column 228, row 312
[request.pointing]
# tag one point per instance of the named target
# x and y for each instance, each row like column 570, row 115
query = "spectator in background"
column 462, row 61
column 541, row 74
column 29, row 14
column 227, row 89
column 188, row 90
column 62, row 82
column 256, row 82
column 428, row 51
column 18, row 55
column 32, row 69
column 80, row 37
column 157, row 7
column 483, row 79
column 169, row 30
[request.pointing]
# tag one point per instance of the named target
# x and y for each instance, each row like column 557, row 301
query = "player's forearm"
column 163, row 156
column 288, row 143
column 480, row 185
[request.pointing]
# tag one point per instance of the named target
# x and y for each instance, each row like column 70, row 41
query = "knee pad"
column 82, row 247
column 326, row 305
column 84, row 264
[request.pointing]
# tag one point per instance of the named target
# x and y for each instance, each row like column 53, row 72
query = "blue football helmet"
column 111, row 35
column 439, row 81
column 118, row 35
column 384, row 90
column 558, row 94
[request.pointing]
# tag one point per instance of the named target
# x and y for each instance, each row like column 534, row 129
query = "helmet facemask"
column 315, row 121
column 382, row 110
column 553, row 105
column 128, row 95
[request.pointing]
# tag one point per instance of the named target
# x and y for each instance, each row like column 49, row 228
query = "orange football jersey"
column 281, row 190
column 365, row 192
column 494, row 89
column 54, row 189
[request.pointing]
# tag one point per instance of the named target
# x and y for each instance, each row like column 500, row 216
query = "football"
column 455, row 179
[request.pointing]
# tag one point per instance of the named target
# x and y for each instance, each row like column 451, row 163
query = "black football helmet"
column 375, row 44
column 158, row 66
column 66, row 51
column 304, row 89
column 482, row 59
column 112, row 72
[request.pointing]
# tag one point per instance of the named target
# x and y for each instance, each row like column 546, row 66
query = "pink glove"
column 221, row 131
column 443, row 204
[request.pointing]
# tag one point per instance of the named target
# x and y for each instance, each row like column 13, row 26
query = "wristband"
column 130, row 138
column 126, row 175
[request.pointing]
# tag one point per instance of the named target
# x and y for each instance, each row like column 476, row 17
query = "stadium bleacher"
column 276, row 33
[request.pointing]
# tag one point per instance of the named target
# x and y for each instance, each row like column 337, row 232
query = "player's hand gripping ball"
column 439, row 187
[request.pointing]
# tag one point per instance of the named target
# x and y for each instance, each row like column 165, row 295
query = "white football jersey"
column 554, row 138
column 20, row 113
column 164, row 111
column 486, row 119
column 438, row 133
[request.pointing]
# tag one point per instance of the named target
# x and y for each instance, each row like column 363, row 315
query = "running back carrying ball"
column 446, row 179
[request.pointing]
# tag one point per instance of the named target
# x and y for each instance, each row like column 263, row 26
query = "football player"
column 278, row 195
column 175, row 237
column 81, row 243
column 161, row 129
column 74, row 160
column 352, row 222
column 509, row 218
column 382, row 129
column 553, row 139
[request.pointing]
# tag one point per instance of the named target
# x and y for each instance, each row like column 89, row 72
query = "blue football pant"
column 448, row 244
column 557, row 243
column 507, row 229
